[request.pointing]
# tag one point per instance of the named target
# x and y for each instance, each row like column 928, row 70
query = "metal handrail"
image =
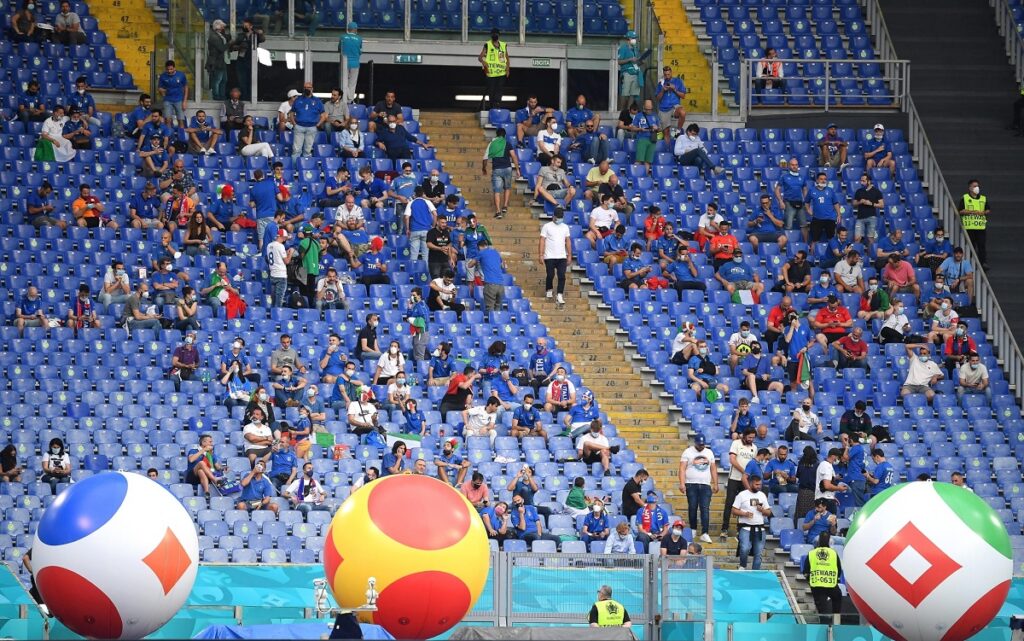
column 1012, row 38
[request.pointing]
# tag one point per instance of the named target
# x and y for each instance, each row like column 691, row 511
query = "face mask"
column 691, row 136
column 878, row 137
column 677, row 532
column 237, row 345
column 755, row 352
column 923, row 358
column 307, row 92
column 560, row 377
column 974, row 366
column 960, row 332
column 794, row 173
column 311, row 392
column 120, row 273
column 807, row 408
column 939, row 286
column 401, row 382
column 392, row 125
column 393, row 350
column 31, row 7
column 264, row 397
column 55, row 450
column 189, row 340
column 744, row 333
column 145, row 294
column 499, row 510
column 373, row 324
column 354, row 126
column 821, row 185
column 632, row 41
column 897, row 310
column 939, row 239
column 975, row 190
column 557, row 220
column 81, row 92
column 703, row 351
column 737, row 259
column 944, row 306
column 350, row 372
column 872, row 287
column 309, row 472
column 598, row 509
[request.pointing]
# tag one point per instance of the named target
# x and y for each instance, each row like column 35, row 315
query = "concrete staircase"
column 133, row 31
column 685, row 56
column 589, row 335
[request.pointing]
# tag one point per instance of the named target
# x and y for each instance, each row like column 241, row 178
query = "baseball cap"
column 227, row 190
column 678, row 523
column 307, row 229
column 292, row 93
column 737, row 252
column 699, row 440
column 630, row 35
column 353, row 26
column 880, row 126
column 830, row 125
column 282, row 233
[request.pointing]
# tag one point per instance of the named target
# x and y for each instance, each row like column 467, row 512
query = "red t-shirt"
column 777, row 315
column 825, row 315
column 723, row 246
column 654, row 228
column 856, row 349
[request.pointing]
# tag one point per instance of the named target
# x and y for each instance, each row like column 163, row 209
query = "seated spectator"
column 29, row 311
column 624, row 123
column 335, row 189
column 56, row 465
column 939, row 292
column 530, row 120
column 256, row 491
column 32, row 106
column 561, row 393
column 526, row 420
column 384, row 110
column 874, row 302
column 973, row 378
column 654, row 225
column 396, row 142
column 767, row 225
column 591, row 142
column 145, row 212
column 373, row 268
column 549, row 142
column 636, row 269
column 249, row 143
column 553, row 185
column 582, row 415
column 184, row 361
column 944, row 322
column 805, row 424
column 737, row 276
column 755, row 371
column 958, row 272
column 817, row 521
column 481, row 420
column 394, row 461
column 52, row 144
column 852, row 350
column 832, row 322
column 476, row 491
column 40, row 208
column 849, row 275
column 922, row 374
column 620, row 541
column 739, row 343
column 526, row 521
column 23, row 25
column 577, row 503
column 593, row 447
column 651, row 521
column 856, row 421
column 689, row 150
column 76, row 130
column 283, row 466
column 896, row 326
column 498, row 522
column 390, row 364
column 433, row 188
column 352, row 142
column 330, row 294
column 676, row 545
column 704, row 376
column 451, row 466
column 442, row 294
column 306, row 493
column 832, row 149
column 89, row 211
column 878, row 152
column 837, row 248
column 615, row 247
column 821, row 291
column 371, row 474
column 723, row 245
column 257, row 435
column 202, row 134
column 958, row 348
column 403, row 186
column 372, row 191
column 81, row 312
column 367, row 347
column 132, row 317
column 10, row 470
column 362, row 413
column 742, row 420
column 288, row 388
column 595, row 524
column 682, row 274
column 67, row 27
column 238, row 388
column 795, row 275
column 886, row 247
column 780, row 473
column 398, row 392
column 439, row 371
column 770, row 73
column 669, row 247
column 684, row 344
column 934, row 251
column 603, row 220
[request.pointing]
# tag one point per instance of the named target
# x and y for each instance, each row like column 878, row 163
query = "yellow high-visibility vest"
column 496, row 59
column 824, row 568
column 610, row 613
column 974, row 221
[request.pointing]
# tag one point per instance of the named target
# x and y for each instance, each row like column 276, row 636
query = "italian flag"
column 803, row 370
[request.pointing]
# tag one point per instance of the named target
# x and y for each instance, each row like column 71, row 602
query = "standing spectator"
column 56, row 465
column 351, row 47
column 307, row 116
column 257, row 491
column 646, row 127
column 420, row 216
column 499, row 153
column 632, row 499
column 492, row 268
column 67, row 26
column 832, row 150
column 878, row 152
column 750, row 507
column 855, row 459
column 277, row 263
column 868, row 201
column 791, row 194
column 632, row 77
column 825, row 480
column 556, row 249
column 217, row 59
column 441, row 255
column 741, row 452
column 670, row 96
column 883, row 476
column 974, row 212
column 823, row 204
column 698, row 477
column 173, row 86
column 497, row 67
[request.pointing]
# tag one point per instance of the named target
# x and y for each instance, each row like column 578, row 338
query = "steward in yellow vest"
column 607, row 612
column 494, row 58
column 974, row 213
column 822, row 569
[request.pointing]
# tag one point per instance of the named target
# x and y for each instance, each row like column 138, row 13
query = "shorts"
column 791, row 369
column 667, row 118
column 760, row 384
column 244, row 223
column 93, row 221
column 743, row 284
column 592, row 457
column 501, row 180
column 630, row 86
column 605, row 232
column 260, row 452
column 766, row 236
column 533, row 130
column 866, row 227
column 904, row 289
column 916, row 389
column 149, row 223
column 832, row 337
column 645, row 150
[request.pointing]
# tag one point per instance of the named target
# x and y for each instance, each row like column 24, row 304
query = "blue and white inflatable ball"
column 115, row 556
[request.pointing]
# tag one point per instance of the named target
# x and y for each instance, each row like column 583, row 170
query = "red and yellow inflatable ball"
column 424, row 544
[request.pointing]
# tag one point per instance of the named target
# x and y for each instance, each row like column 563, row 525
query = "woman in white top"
column 351, row 140
column 56, row 464
column 896, row 326
column 248, row 141
column 389, row 364
column 53, row 131
column 398, row 393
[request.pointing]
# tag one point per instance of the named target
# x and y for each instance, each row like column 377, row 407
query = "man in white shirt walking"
column 277, row 262
column 556, row 249
column 698, row 477
column 741, row 452
column 750, row 509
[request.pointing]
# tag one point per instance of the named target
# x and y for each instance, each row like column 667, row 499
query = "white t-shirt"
column 401, row 393
column 344, row 214
column 848, row 274
column 110, row 278
column 554, row 236
column 445, row 292
column 275, row 258
column 737, row 339
column 680, row 341
column 334, row 290
column 285, row 108
column 920, row 372
column 972, row 376
column 698, row 465
column 744, row 454
column 806, row 421
column 607, row 218
column 59, row 461
column 825, row 472
column 705, row 221
column 600, row 439
column 750, row 502
column 316, row 493
column 389, row 366
column 362, row 411
column 550, row 139
column 479, row 421
column 261, row 430
column 896, row 322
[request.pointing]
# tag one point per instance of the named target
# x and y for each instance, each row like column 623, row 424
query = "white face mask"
column 354, row 126
column 878, row 137
column 677, row 532
column 394, row 350
column 264, row 397
column 598, row 509
column 81, row 92
column 975, row 190
column 822, row 185
column 392, row 125
column 237, row 345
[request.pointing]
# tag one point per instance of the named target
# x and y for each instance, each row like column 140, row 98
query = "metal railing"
column 823, row 91
column 1011, row 36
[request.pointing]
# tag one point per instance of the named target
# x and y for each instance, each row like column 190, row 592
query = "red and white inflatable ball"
column 115, row 556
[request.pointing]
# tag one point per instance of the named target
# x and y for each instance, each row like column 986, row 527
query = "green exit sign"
column 408, row 58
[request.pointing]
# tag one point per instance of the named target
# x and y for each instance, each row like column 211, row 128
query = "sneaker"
column 548, row 294
column 704, row 538
column 754, row 399
column 719, row 170
column 497, row 214
column 209, row 152
column 614, row 449
column 504, row 211
column 560, row 299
